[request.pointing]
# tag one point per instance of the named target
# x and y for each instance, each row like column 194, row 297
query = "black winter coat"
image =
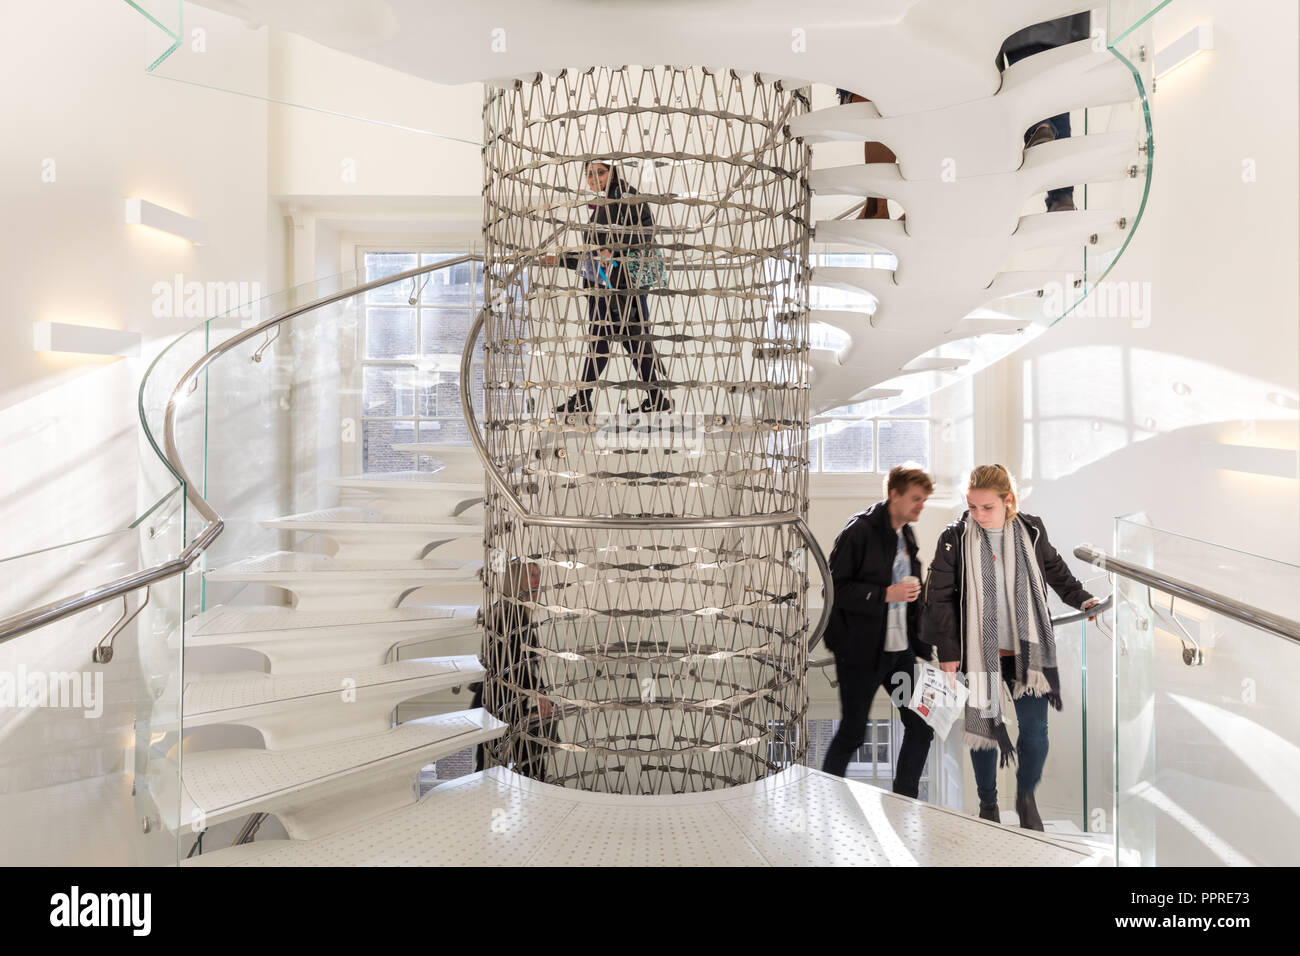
column 620, row 225
column 862, row 568
column 943, row 624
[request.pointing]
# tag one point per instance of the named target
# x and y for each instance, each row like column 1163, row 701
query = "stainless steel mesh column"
column 646, row 355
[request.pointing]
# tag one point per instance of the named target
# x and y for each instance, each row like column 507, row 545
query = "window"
column 411, row 337
column 873, row 762
column 854, row 443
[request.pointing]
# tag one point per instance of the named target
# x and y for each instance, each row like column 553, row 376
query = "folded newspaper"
column 938, row 702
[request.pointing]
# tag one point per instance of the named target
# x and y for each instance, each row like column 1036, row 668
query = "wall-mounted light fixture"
column 86, row 339
column 1252, row 459
column 1183, row 49
column 150, row 214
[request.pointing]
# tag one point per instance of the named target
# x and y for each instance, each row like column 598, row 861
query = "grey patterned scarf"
column 1031, row 626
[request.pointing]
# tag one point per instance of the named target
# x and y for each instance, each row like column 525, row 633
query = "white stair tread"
column 221, row 784
column 224, row 621
column 403, row 481
column 227, row 698
column 367, row 519
column 799, row 817
column 294, row 565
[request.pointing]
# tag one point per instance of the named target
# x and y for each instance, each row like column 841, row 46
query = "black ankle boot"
column 1027, row 811
column 989, row 811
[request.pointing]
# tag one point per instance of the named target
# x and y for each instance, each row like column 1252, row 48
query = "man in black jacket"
column 875, row 626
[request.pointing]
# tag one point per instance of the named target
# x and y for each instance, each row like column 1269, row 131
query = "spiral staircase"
column 338, row 761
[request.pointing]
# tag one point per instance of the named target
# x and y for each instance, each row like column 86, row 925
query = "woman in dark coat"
column 986, row 613
column 616, row 228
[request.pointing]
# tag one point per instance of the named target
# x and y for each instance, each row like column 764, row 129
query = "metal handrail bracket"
column 1230, row 608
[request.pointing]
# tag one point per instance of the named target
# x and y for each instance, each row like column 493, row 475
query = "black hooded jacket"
column 619, row 222
column 943, row 624
column 862, row 568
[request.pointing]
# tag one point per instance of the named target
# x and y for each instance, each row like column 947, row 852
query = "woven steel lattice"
column 646, row 352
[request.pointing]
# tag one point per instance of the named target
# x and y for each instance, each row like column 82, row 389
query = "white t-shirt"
column 896, row 626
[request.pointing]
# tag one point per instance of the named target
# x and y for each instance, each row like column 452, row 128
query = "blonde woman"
column 986, row 612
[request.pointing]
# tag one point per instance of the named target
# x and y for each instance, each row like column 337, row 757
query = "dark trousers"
column 1031, row 746
column 621, row 316
column 859, row 682
column 1060, row 122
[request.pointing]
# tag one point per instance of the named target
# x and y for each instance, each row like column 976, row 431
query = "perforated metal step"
column 324, row 583
column 799, row 817
column 299, row 642
column 305, row 709
column 314, row 789
column 368, row 534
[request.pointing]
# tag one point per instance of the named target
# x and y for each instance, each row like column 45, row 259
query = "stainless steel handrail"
column 1072, row 618
column 21, row 623
column 1075, row 616
column 1274, row 624
column 631, row 522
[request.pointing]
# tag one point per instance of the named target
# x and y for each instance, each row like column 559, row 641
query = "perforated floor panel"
column 799, row 817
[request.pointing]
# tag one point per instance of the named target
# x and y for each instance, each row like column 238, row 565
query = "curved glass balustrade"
column 1207, row 728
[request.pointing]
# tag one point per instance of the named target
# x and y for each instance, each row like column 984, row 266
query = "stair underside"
column 311, row 700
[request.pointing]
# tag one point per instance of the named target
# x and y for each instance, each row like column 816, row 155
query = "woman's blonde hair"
column 998, row 480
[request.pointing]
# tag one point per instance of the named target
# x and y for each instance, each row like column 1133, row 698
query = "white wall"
column 1088, row 415
column 74, row 92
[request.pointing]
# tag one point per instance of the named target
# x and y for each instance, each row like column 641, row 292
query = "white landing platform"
column 304, row 642
column 314, row 790
column 800, row 817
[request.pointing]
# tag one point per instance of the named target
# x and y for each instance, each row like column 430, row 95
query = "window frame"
column 357, row 406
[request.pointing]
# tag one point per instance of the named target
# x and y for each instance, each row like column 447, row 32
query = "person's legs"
column 640, row 350
column 985, row 764
column 1031, row 746
column 1062, row 199
column 857, row 686
column 917, row 734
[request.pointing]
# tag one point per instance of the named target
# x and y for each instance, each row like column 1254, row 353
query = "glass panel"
column 390, row 333
column 164, row 19
column 211, row 51
column 1125, row 16
column 443, row 332
column 377, row 454
column 381, row 264
column 77, row 734
column 1207, row 735
column 459, row 285
column 389, row 392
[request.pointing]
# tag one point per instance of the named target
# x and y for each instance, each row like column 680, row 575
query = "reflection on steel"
column 645, row 429
column 1231, row 608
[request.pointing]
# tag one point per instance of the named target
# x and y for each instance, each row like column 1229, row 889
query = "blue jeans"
column 1031, row 751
